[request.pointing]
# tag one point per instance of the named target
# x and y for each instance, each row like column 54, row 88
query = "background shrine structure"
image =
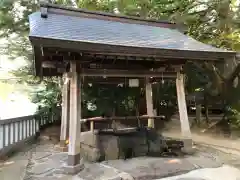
column 78, row 44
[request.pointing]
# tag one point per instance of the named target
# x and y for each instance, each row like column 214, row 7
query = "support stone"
column 73, row 164
column 185, row 127
column 149, row 102
column 65, row 111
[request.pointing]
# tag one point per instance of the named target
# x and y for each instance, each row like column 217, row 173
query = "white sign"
column 133, row 82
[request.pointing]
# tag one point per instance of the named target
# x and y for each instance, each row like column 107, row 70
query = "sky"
column 11, row 99
column 5, row 64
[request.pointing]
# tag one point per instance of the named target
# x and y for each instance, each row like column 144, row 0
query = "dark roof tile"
column 82, row 29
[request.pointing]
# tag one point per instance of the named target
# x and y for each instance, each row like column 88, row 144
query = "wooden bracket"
column 177, row 68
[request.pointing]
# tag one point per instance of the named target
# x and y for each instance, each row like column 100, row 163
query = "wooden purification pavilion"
column 77, row 44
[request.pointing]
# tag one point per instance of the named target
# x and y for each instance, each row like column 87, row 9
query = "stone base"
column 72, row 170
column 121, row 144
column 188, row 146
column 73, row 159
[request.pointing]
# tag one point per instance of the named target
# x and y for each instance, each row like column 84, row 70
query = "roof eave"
column 125, row 50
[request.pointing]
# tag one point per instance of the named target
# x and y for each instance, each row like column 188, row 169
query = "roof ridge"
column 61, row 7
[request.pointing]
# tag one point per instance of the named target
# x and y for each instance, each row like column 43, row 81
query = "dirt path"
column 224, row 149
column 218, row 142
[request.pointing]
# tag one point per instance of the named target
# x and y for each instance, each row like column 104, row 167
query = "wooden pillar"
column 75, row 125
column 92, row 126
column 65, row 111
column 182, row 107
column 198, row 113
column 149, row 102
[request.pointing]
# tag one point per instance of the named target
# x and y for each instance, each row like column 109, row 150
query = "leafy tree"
column 14, row 27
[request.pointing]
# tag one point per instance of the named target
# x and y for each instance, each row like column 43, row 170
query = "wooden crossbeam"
column 144, row 117
column 122, row 80
column 125, row 73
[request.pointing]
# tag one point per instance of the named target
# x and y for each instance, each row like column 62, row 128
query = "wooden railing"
column 15, row 132
column 17, row 129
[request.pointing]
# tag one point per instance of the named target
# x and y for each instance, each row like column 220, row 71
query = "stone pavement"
column 46, row 163
column 43, row 162
column 14, row 168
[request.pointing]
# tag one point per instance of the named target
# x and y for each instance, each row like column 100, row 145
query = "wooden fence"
column 15, row 132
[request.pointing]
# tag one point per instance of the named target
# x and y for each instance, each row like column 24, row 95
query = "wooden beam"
column 75, row 125
column 92, row 126
column 198, row 113
column 126, row 50
column 149, row 102
column 182, row 107
column 65, row 111
column 116, row 64
column 37, row 60
column 98, row 56
column 122, row 80
column 125, row 73
column 98, row 119
column 130, row 57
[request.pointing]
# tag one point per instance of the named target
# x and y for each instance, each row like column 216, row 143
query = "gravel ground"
column 225, row 155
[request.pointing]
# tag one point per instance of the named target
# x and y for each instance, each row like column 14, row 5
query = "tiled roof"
column 83, row 29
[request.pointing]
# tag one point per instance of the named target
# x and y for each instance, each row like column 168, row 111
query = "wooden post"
column 73, row 162
column 65, row 111
column 198, row 113
column 206, row 108
column 149, row 102
column 185, row 127
column 92, row 126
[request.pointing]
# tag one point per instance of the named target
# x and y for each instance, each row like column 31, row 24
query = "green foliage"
column 49, row 95
column 165, row 99
column 234, row 118
column 110, row 99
